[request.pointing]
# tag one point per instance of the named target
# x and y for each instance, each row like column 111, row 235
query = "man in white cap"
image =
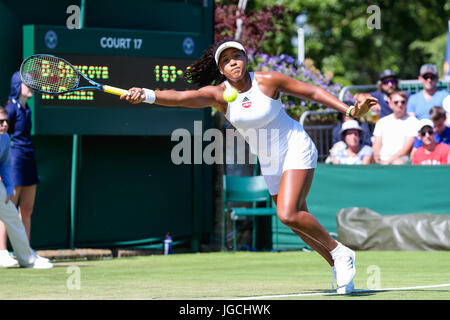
column 420, row 103
column 441, row 131
column 431, row 153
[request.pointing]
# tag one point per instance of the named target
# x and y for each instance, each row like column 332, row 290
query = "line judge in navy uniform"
column 24, row 170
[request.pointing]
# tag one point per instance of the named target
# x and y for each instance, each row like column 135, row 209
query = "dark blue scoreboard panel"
column 120, row 58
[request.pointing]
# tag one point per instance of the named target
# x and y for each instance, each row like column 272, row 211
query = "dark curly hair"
column 205, row 71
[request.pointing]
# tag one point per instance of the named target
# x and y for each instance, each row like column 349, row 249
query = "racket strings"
column 49, row 74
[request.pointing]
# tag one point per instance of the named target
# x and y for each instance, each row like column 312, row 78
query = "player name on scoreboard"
column 133, row 71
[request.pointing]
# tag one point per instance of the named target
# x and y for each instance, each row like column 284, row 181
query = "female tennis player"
column 258, row 106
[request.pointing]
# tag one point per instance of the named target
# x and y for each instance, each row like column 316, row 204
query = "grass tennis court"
column 223, row 276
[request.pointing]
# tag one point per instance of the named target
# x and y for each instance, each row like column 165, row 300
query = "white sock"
column 336, row 250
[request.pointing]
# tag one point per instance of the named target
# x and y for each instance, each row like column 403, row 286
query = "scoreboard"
column 119, row 71
column 119, row 58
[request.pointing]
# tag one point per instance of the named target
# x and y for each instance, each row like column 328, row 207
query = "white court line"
column 334, row 292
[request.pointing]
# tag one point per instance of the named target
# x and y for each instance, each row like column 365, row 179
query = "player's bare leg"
column 291, row 208
column 292, row 211
column 313, row 244
column 26, row 196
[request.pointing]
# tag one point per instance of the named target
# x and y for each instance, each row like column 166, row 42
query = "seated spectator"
column 420, row 103
column 441, row 131
column 387, row 84
column 354, row 152
column 446, row 106
column 338, row 144
column 430, row 153
column 336, row 134
column 394, row 134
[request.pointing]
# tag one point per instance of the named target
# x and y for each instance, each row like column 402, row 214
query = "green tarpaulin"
column 387, row 190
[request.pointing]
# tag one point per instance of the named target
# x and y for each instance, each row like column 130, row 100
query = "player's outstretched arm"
column 310, row 92
column 201, row 98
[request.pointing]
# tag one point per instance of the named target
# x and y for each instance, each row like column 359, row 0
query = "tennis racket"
column 49, row 74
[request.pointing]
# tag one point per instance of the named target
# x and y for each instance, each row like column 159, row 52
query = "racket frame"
column 95, row 85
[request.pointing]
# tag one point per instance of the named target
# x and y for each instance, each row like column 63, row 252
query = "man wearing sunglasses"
column 431, row 153
column 394, row 134
column 420, row 103
column 387, row 84
column 441, row 131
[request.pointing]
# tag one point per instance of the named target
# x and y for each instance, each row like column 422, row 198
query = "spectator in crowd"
column 26, row 257
column 23, row 162
column 354, row 151
column 336, row 134
column 446, row 106
column 387, row 84
column 441, row 131
column 431, row 152
column 420, row 103
column 394, row 134
column 338, row 145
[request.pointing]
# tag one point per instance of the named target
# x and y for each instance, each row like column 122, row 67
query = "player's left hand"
column 135, row 95
column 362, row 108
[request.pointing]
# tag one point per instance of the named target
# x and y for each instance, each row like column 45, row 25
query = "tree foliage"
column 343, row 43
column 262, row 28
column 411, row 33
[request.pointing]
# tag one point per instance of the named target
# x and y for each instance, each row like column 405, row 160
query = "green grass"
column 230, row 275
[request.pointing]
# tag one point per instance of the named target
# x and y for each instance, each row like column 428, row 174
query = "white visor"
column 227, row 45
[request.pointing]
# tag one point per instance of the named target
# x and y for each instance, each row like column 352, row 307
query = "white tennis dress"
column 279, row 141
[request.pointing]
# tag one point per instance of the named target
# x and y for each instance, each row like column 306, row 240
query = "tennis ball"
column 230, row 94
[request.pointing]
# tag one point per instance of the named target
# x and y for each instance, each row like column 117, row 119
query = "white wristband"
column 349, row 110
column 150, row 96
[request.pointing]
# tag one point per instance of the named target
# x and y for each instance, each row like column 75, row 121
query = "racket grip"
column 114, row 90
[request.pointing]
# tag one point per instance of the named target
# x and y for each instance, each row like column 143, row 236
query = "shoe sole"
column 347, row 289
column 10, row 265
column 39, row 266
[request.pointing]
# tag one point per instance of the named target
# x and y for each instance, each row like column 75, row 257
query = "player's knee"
column 286, row 216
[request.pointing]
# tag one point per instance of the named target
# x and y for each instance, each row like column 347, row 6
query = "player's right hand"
column 362, row 108
column 134, row 95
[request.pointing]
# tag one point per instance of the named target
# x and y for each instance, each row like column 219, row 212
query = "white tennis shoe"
column 38, row 256
column 344, row 263
column 347, row 289
column 343, row 290
column 39, row 263
column 6, row 260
